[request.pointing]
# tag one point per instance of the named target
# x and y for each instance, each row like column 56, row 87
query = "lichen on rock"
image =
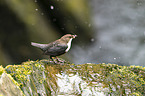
column 44, row 78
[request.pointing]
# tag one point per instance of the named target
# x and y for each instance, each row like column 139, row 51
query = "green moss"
column 2, row 70
column 136, row 94
column 112, row 76
column 21, row 73
column 127, row 77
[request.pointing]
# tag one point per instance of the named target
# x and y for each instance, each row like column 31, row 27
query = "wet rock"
column 44, row 78
column 9, row 87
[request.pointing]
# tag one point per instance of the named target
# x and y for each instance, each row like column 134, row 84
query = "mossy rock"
column 44, row 78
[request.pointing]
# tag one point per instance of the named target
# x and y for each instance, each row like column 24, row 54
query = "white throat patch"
column 69, row 45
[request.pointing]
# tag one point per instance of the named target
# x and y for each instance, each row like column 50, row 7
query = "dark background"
column 44, row 21
column 109, row 31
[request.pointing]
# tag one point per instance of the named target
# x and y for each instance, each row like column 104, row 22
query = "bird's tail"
column 41, row 46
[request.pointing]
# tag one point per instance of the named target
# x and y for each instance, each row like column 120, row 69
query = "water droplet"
column 89, row 25
column 36, row 9
column 114, row 58
column 42, row 13
column 92, row 40
column 51, row 7
column 35, row 0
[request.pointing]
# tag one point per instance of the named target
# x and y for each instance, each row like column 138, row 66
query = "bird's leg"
column 59, row 60
column 52, row 59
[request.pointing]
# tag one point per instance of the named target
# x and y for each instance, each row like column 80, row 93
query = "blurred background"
column 109, row 31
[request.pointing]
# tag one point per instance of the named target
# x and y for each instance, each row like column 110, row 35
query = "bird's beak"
column 74, row 36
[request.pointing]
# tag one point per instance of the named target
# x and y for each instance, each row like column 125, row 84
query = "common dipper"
column 57, row 47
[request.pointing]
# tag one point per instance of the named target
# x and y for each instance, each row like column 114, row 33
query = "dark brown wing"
column 55, row 49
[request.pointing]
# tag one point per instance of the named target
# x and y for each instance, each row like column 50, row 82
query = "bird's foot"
column 57, row 60
column 60, row 61
column 52, row 60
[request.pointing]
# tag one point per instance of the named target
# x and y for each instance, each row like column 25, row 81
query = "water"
column 119, row 33
column 51, row 7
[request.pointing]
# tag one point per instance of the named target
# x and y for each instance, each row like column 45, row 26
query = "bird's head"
column 68, row 37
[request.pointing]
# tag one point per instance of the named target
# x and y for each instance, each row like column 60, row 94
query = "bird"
column 56, row 48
